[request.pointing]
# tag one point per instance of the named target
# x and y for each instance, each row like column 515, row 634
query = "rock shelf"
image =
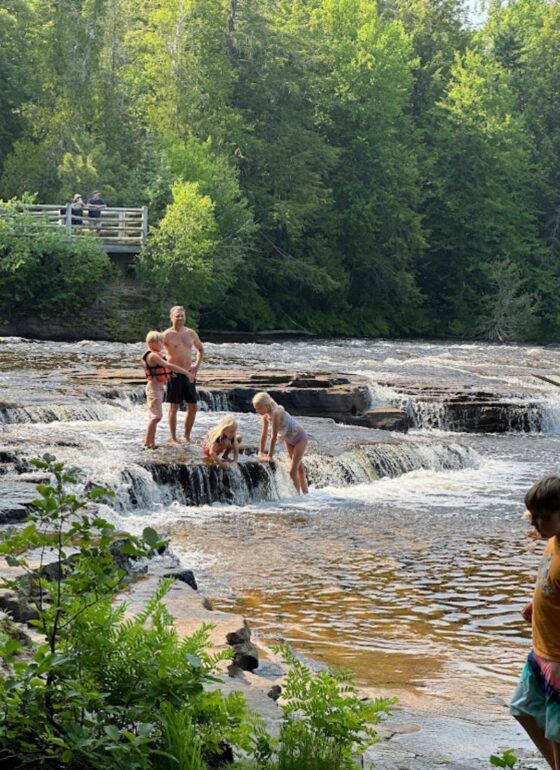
column 467, row 409
column 336, row 396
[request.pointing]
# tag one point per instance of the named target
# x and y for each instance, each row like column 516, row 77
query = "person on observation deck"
column 95, row 205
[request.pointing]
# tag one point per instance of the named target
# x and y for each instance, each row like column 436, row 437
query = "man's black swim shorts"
column 179, row 388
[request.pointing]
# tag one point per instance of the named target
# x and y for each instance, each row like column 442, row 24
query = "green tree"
column 367, row 81
column 180, row 262
column 482, row 209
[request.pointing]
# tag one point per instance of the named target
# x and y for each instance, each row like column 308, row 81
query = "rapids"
column 407, row 562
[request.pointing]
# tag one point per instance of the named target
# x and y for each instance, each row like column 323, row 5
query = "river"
column 415, row 582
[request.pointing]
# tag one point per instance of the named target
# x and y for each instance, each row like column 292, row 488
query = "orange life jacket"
column 159, row 373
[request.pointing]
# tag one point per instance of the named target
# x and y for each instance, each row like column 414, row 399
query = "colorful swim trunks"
column 538, row 695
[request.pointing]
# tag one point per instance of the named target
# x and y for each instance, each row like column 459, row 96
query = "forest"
column 340, row 167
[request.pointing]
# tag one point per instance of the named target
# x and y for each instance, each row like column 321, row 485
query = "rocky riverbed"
column 393, row 565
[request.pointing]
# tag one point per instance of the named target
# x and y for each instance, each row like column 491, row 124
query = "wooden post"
column 144, row 225
column 68, row 219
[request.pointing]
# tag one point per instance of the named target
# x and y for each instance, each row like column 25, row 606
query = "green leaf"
column 113, row 732
column 11, row 561
column 101, row 492
column 150, row 536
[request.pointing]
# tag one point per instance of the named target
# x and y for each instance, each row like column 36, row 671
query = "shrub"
column 104, row 690
column 326, row 725
column 43, row 270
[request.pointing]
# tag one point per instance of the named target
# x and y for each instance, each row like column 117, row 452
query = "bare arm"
column 159, row 361
column 197, row 344
column 275, row 422
column 264, row 434
column 214, row 454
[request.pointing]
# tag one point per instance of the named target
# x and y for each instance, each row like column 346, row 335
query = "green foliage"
column 180, row 261
column 105, row 689
column 505, row 759
column 360, row 166
column 325, row 724
column 41, row 269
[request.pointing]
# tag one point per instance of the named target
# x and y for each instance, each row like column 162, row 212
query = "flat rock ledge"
column 336, row 396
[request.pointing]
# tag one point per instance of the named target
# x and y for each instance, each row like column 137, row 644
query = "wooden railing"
column 116, row 227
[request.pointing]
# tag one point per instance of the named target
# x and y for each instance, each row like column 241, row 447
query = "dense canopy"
column 338, row 166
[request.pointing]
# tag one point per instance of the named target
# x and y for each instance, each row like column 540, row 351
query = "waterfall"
column 475, row 416
column 212, row 401
column 54, row 413
column 146, row 486
column 161, row 483
column 365, row 464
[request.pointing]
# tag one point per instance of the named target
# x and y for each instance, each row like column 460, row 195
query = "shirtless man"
column 179, row 342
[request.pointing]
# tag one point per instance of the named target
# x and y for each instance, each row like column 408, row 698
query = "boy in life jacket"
column 158, row 371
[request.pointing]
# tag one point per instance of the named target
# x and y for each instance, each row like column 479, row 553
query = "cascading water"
column 407, row 559
column 367, row 463
column 54, row 413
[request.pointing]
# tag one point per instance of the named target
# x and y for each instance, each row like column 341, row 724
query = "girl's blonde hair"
column 153, row 336
column 263, row 399
column 214, row 433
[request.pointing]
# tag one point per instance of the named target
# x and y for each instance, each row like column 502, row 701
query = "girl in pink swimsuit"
column 220, row 441
column 285, row 428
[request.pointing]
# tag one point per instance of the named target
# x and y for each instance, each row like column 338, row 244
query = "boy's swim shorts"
column 538, row 695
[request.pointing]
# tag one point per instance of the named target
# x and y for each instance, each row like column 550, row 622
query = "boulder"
column 275, row 692
column 184, row 575
column 240, row 636
column 130, row 565
column 17, row 606
column 246, row 656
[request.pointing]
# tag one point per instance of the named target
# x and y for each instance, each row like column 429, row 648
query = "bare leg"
column 296, row 453
column 150, row 437
column 302, row 479
column 172, row 418
column 556, row 753
column 549, row 750
column 189, row 420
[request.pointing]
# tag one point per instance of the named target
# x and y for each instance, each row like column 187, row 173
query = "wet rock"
column 17, row 606
column 130, row 565
column 207, row 604
column 301, row 393
column 220, row 758
column 468, row 410
column 238, row 637
column 200, row 484
column 13, row 630
column 185, row 576
column 58, row 570
column 387, row 418
column 246, row 656
column 275, row 692
column 15, row 500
